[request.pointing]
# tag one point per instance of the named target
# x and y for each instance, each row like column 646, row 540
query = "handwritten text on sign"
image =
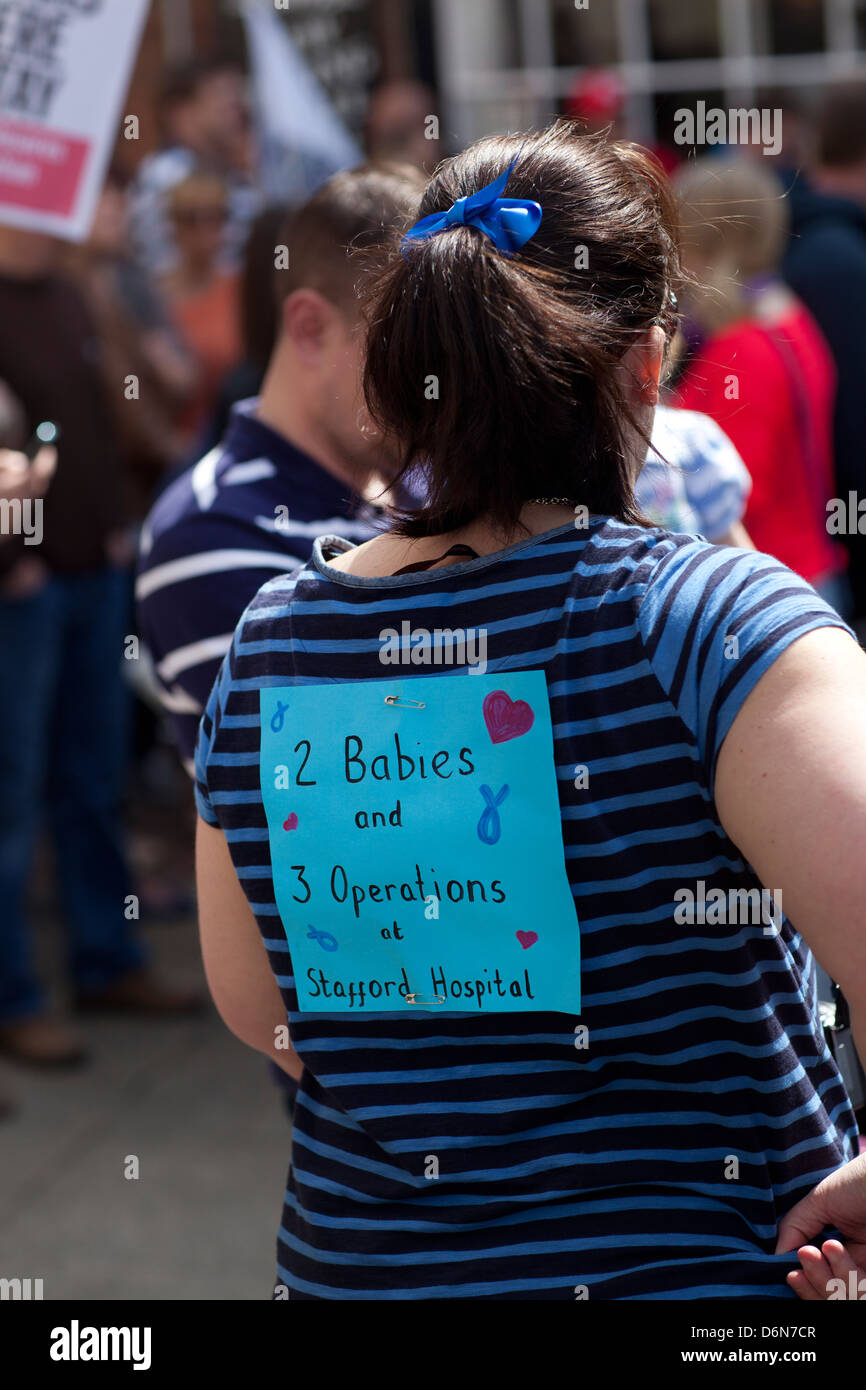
column 416, row 844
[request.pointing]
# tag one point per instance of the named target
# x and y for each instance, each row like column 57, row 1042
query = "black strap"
column 428, row 564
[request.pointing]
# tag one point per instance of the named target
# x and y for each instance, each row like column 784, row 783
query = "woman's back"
column 645, row 1143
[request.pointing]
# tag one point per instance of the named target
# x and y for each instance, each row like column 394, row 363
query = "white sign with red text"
column 64, row 69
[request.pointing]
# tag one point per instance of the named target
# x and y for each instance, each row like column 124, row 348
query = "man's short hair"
column 358, row 210
column 841, row 126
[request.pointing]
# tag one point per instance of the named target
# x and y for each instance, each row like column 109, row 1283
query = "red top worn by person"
column 763, row 370
column 771, row 387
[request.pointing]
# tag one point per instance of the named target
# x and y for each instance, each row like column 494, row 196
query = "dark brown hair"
column 524, row 348
column 359, row 210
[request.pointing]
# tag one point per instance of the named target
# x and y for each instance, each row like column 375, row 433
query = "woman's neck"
column 386, row 554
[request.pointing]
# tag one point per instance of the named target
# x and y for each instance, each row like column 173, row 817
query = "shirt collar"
column 248, row 437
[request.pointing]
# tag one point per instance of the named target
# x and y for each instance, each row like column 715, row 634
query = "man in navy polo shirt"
column 297, row 462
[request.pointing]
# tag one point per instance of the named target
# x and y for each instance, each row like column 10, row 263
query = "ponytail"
column 498, row 374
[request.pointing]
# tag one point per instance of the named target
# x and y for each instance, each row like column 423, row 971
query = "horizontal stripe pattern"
column 656, row 1161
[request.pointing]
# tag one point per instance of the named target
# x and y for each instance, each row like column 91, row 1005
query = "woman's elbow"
column 272, row 1040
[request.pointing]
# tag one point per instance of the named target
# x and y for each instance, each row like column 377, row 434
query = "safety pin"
column 438, row 999
column 404, row 704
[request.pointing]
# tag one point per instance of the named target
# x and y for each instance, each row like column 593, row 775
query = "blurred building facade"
column 509, row 63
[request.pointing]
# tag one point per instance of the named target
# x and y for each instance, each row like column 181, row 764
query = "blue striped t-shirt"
column 655, row 1159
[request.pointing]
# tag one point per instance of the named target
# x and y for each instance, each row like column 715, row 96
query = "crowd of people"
column 241, row 395
column 135, row 345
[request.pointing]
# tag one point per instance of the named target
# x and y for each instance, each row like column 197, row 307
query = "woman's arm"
column 239, row 975
column 791, row 794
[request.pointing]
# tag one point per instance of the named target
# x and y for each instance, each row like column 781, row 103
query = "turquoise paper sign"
column 416, row 845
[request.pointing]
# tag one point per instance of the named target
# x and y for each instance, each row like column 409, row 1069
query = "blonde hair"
column 734, row 218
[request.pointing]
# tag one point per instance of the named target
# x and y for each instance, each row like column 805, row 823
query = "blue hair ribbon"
column 508, row 222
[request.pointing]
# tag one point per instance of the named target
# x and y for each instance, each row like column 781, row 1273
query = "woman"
column 203, row 299
column 589, row 1079
column 763, row 370
column 140, row 344
column 258, row 317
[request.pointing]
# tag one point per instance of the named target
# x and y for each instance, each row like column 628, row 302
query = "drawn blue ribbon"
column 324, row 938
column 278, row 716
column 508, row 222
column 489, row 828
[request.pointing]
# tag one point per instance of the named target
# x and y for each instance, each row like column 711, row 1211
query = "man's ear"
column 643, row 364
column 309, row 320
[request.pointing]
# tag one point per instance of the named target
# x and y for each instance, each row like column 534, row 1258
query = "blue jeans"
column 64, row 713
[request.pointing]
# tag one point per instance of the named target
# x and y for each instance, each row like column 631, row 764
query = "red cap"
column 596, row 95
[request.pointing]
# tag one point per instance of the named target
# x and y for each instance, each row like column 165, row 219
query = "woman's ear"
column 642, row 365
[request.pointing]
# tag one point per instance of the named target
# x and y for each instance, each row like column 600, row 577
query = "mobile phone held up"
column 46, row 432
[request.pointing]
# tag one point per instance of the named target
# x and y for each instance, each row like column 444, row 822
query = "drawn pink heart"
column 506, row 718
column 527, row 938
column 291, row 822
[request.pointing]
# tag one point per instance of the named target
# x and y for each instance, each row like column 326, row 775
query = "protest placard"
column 415, row 840
column 64, row 70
